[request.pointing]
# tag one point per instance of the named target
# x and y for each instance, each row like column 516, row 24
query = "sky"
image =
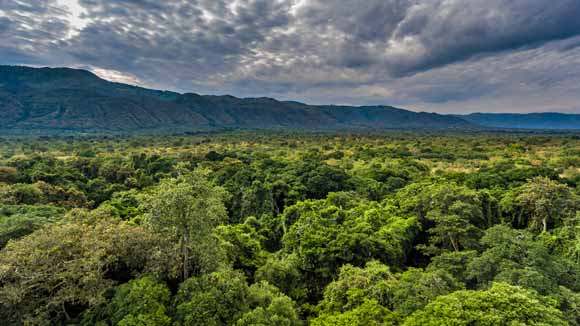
column 447, row 56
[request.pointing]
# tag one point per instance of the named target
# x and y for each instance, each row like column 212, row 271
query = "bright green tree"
column 140, row 302
column 369, row 313
column 329, row 233
column 283, row 271
column 188, row 208
column 501, row 305
column 546, row 202
column 242, row 244
column 215, row 299
column 269, row 307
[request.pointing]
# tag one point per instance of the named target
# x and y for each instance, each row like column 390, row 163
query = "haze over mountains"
column 55, row 100
column 545, row 120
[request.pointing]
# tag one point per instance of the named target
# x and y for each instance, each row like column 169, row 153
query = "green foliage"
column 127, row 205
column 21, row 194
column 140, row 302
column 570, row 305
column 274, row 228
column 224, row 298
column 454, row 263
column 501, row 305
column 8, row 174
column 269, row 307
column 400, row 294
column 451, row 214
column 216, row 299
column 243, row 247
column 369, row 313
column 42, row 193
column 355, row 285
column 283, row 272
column 544, row 203
column 257, row 200
column 329, row 233
column 66, row 266
column 187, row 209
column 414, row 289
column 506, row 174
column 513, row 256
column 21, row 220
column 322, row 179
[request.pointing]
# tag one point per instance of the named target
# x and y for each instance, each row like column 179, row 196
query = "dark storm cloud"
column 412, row 36
column 31, row 31
column 448, row 31
column 187, row 40
column 408, row 52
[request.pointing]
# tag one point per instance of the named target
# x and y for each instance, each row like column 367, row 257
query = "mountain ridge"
column 65, row 99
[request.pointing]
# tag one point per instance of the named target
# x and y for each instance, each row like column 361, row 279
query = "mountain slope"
column 545, row 120
column 53, row 100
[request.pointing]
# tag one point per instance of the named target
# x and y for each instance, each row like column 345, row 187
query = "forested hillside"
column 49, row 101
column 240, row 229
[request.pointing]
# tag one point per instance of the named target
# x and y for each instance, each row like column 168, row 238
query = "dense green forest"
column 263, row 229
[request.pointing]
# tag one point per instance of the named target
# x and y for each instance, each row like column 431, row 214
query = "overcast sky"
column 451, row 56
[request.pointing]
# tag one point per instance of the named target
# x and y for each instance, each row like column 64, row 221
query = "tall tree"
column 451, row 214
column 547, row 202
column 452, row 226
column 188, row 208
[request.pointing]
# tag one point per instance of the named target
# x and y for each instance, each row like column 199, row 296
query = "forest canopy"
column 300, row 229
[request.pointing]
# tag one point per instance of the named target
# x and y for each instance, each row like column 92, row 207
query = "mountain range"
column 545, row 120
column 64, row 100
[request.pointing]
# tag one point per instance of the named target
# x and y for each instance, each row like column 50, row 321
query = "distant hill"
column 525, row 121
column 56, row 100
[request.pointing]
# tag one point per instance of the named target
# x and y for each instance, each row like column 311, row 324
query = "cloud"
column 31, row 32
column 117, row 76
column 423, row 54
column 440, row 32
column 198, row 41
